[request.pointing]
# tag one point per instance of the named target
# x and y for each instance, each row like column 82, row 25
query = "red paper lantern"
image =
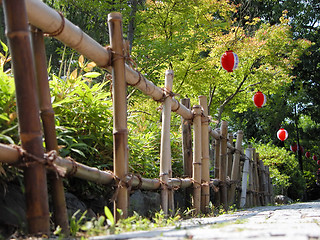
column 259, row 99
column 294, row 147
column 308, row 154
column 229, row 61
column 318, row 162
column 282, row 134
column 314, row 157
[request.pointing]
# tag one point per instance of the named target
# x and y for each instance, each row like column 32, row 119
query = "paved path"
column 295, row 221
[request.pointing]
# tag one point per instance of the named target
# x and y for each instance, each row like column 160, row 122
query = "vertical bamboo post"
column 245, row 173
column 165, row 147
column 216, row 168
column 262, row 182
column 223, row 163
column 205, row 164
column 120, row 131
column 250, row 188
column 257, row 181
column 253, row 179
column 217, row 157
column 229, row 155
column 235, row 168
column 187, row 149
column 47, row 116
column 28, row 115
column 270, row 187
column 265, row 185
column 196, row 173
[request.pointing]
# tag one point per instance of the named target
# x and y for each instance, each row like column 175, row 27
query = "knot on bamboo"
column 114, row 56
column 121, row 183
column 28, row 159
column 165, row 185
column 59, row 30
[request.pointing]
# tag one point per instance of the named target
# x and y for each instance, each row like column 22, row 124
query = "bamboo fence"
column 240, row 179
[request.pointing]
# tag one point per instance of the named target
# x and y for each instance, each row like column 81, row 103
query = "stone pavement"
column 294, row 221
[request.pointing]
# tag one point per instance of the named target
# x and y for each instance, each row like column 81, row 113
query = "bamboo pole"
column 28, row 115
column 235, row 168
column 47, row 116
column 187, row 149
column 229, row 155
column 262, row 182
column 165, row 147
column 270, row 187
column 245, row 173
column 10, row 155
column 196, row 173
column 217, row 158
column 205, row 164
column 216, row 168
column 186, row 141
column 250, row 184
column 120, row 131
column 50, row 21
column 223, row 164
column 256, row 179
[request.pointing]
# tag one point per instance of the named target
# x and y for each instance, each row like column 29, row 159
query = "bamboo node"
column 59, row 30
column 140, row 181
column 175, row 110
column 74, row 168
column 139, row 80
column 196, row 163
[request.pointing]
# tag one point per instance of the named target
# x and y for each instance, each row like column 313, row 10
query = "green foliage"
column 284, row 170
column 8, row 115
column 83, row 111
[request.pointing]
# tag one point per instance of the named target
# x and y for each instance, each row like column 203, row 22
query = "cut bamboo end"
column 115, row 16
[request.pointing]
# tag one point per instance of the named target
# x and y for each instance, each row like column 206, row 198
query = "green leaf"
column 6, row 138
column 78, row 151
column 109, row 215
column 4, row 47
column 92, row 74
column 4, row 117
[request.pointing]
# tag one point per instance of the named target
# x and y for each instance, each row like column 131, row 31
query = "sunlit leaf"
column 80, row 61
column 92, row 74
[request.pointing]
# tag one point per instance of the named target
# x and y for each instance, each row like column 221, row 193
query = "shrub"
column 284, row 170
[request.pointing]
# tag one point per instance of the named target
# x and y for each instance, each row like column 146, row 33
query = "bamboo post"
column 120, row 131
column 265, row 186
column 187, row 149
column 253, row 179
column 223, row 164
column 235, row 168
column 196, row 173
column 28, row 115
column 245, row 173
column 47, row 116
column 217, row 157
column 262, row 182
column 205, row 164
column 270, row 187
column 250, row 185
column 257, row 181
column 229, row 155
column 165, row 147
